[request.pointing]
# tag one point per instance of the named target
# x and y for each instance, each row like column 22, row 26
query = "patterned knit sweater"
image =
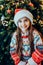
column 26, row 49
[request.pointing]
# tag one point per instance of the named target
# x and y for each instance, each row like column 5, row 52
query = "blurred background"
column 7, row 26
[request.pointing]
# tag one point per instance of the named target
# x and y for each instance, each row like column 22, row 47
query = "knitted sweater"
column 26, row 49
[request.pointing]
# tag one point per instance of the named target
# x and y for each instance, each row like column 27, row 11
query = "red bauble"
column 31, row 4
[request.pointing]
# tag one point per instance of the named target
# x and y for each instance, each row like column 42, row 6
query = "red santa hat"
column 20, row 13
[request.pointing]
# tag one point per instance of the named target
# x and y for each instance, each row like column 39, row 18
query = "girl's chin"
column 24, row 30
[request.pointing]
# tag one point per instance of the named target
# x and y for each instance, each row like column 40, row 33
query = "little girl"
column 26, row 47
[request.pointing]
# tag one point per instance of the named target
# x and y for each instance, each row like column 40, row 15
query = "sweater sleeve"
column 13, row 45
column 37, row 55
column 13, row 49
column 38, row 43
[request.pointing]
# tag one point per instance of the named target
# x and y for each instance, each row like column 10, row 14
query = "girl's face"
column 24, row 24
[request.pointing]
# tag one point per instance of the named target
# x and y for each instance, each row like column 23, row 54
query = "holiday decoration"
column 8, row 11
column 30, row 4
column 2, row 18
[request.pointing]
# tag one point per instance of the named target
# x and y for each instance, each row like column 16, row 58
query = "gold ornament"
column 41, row 7
column 41, row 2
column 1, row 7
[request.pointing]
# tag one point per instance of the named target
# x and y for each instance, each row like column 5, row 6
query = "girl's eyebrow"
column 25, row 18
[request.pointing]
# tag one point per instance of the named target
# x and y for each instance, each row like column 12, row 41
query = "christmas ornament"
column 41, row 2
column 41, row 7
column 2, row 18
column 38, row 16
column 31, row 4
column 5, row 23
column 41, row 22
column 8, row 11
column 1, row 7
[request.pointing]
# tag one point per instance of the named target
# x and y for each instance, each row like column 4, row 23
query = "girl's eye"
column 19, row 20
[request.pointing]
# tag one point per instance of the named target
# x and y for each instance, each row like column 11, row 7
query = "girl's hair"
column 19, row 40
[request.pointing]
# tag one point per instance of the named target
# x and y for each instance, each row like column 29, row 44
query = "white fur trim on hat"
column 21, row 14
